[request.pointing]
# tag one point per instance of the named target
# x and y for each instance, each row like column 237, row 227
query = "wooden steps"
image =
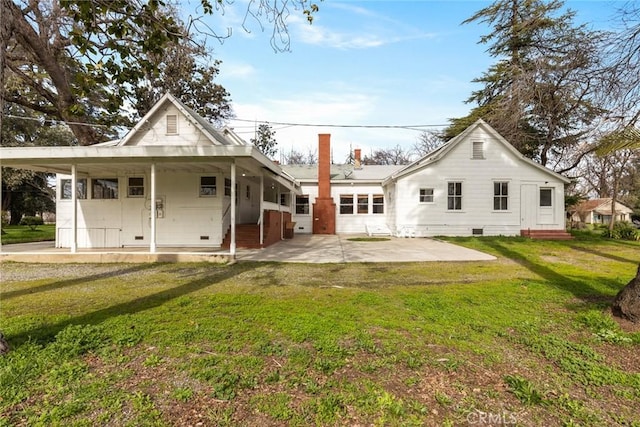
column 247, row 237
column 546, row 234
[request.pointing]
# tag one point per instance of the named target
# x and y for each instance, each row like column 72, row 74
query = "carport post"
column 74, row 209
column 261, row 209
column 153, row 213
column 232, row 245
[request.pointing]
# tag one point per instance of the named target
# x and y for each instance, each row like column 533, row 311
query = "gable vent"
column 478, row 150
column 172, row 124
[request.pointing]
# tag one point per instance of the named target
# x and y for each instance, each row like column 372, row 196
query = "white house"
column 173, row 180
column 476, row 184
column 598, row 211
column 176, row 181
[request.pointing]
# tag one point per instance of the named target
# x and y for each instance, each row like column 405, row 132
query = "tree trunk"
column 627, row 302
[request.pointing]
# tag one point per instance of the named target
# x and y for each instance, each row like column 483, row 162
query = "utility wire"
column 410, row 127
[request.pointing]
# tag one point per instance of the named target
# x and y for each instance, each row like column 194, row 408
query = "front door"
column 528, row 204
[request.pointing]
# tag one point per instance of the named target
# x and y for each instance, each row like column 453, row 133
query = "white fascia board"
column 13, row 156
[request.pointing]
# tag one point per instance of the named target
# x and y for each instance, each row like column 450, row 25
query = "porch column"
column 153, row 213
column 232, row 245
column 261, row 209
column 74, row 209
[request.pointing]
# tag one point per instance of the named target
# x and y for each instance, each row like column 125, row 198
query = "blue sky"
column 362, row 63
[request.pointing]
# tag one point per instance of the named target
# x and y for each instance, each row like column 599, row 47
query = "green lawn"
column 24, row 234
column 524, row 340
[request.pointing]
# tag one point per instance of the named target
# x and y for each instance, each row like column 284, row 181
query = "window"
column 500, row 196
column 227, row 187
column 248, row 192
column 346, row 204
column 426, row 195
column 81, row 189
column 378, row 204
column 135, row 187
column 284, row 199
column 478, row 150
column 545, row 197
column 208, row 186
column 454, row 196
column 172, row 124
column 302, row 204
column 104, row 188
column 363, row 203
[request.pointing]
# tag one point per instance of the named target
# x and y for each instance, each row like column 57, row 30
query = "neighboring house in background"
column 476, row 184
column 598, row 211
column 176, row 181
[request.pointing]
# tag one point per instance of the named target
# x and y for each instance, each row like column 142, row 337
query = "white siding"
column 187, row 133
column 187, row 216
column 477, row 177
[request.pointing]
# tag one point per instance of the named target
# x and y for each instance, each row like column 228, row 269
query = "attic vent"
column 477, row 231
column 172, row 124
column 478, row 152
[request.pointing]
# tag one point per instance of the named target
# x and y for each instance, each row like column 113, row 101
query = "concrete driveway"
column 338, row 249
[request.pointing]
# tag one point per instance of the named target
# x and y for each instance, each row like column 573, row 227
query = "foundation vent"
column 477, row 231
column 204, row 237
column 139, row 237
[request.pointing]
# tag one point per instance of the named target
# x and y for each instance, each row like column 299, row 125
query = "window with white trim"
column 346, row 204
column 363, row 204
column 172, row 124
column 302, row 204
column 208, row 186
column 378, row 204
column 454, row 196
column 104, row 188
column 227, row 187
column 135, row 187
column 81, row 189
column 426, row 195
column 500, row 196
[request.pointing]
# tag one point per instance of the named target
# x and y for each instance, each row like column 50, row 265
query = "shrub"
column 622, row 231
column 32, row 221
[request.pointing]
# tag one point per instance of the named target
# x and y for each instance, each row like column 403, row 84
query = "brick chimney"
column 357, row 161
column 324, row 209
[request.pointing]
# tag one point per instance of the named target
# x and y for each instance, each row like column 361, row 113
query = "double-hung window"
column 363, row 203
column 346, row 204
column 546, row 197
column 500, row 196
column 135, row 187
column 426, row 195
column 208, row 186
column 378, row 204
column 454, row 196
column 302, row 204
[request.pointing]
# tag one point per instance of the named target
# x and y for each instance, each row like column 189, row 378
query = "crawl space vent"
column 139, row 237
column 477, row 231
column 204, row 237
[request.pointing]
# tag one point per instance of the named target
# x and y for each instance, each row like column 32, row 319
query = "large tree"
column 81, row 60
column 539, row 94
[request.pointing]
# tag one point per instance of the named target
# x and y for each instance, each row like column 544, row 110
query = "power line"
column 410, row 127
column 36, row 119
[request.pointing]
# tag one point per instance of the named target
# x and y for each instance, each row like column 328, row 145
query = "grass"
column 24, row 234
column 526, row 339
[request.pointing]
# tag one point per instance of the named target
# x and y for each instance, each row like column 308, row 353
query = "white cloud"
column 235, row 70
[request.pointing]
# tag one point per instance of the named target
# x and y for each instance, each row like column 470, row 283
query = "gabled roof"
column 440, row 152
column 215, row 136
column 601, row 206
column 348, row 173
